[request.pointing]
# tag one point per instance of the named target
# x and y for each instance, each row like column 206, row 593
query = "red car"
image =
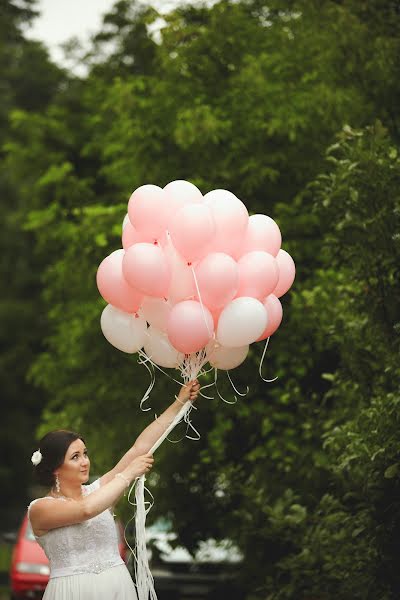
column 29, row 570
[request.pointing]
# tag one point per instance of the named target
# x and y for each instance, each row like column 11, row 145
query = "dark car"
column 211, row 574
column 29, row 570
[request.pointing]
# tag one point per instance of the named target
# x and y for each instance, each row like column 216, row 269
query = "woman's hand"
column 189, row 391
column 139, row 466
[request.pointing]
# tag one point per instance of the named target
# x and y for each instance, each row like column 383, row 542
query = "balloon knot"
column 189, row 264
column 136, row 315
column 155, row 242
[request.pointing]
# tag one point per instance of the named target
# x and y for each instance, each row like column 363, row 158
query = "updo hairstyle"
column 53, row 447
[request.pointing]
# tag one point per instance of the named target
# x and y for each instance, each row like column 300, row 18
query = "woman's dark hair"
column 53, row 447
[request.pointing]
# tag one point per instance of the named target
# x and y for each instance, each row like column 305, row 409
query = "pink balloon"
column 131, row 236
column 287, row 272
column 231, row 219
column 192, row 230
column 145, row 266
column 147, row 210
column 178, row 194
column 275, row 312
column 113, row 286
column 125, row 221
column 258, row 274
column 156, row 312
column 190, row 326
column 215, row 315
column 181, row 286
column 217, row 277
column 262, row 234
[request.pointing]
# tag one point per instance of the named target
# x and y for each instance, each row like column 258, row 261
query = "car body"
column 211, row 574
column 29, row 570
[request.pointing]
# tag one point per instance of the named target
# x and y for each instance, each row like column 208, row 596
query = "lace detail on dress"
column 87, row 547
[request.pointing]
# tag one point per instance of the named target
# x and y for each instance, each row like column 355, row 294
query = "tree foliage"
column 292, row 106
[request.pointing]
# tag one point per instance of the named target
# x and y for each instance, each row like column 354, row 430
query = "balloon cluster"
column 195, row 274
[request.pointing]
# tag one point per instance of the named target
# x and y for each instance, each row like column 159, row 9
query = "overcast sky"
column 62, row 19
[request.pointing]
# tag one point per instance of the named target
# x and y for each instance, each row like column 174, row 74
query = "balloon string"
column 143, row 576
column 204, row 395
column 145, row 358
column 189, row 425
column 216, row 387
column 210, row 333
column 261, row 364
column 195, row 363
column 236, row 390
column 147, row 393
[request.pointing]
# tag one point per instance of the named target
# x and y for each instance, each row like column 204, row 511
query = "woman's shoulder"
column 37, row 500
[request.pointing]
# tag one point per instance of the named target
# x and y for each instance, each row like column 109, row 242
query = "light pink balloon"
column 147, row 210
column 178, row 194
column 275, row 312
column 231, row 219
column 125, row 221
column 181, row 286
column 192, row 230
column 217, row 278
column 190, row 326
column 287, row 272
column 215, row 315
column 156, row 312
column 131, row 236
column 227, row 358
column 258, row 274
column 262, row 234
column 159, row 349
column 113, row 286
column 145, row 266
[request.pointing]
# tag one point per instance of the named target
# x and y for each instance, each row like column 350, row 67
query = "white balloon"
column 227, row 358
column 156, row 312
column 241, row 322
column 125, row 221
column 124, row 331
column 158, row 347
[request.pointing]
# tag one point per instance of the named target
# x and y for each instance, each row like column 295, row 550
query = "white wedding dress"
column 85, row 563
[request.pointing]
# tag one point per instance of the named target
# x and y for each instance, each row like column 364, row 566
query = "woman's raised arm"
column 154, row 431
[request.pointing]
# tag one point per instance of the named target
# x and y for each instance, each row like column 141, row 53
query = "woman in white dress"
column 74, row 524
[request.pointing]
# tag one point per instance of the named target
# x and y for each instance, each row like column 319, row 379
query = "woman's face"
column 76, row 466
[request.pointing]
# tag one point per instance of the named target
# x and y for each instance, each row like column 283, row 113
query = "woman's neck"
column 72, row 492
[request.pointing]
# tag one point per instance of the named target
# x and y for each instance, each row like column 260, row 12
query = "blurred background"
column 294, row 107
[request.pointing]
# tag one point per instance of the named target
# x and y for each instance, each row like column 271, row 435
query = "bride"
column 73, row 523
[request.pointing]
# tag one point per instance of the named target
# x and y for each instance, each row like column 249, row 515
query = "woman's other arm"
column 49, row 514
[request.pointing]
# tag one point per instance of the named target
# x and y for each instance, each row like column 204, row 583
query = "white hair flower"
column 36, row 457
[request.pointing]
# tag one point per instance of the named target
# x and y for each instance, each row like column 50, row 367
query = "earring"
column 57, row 484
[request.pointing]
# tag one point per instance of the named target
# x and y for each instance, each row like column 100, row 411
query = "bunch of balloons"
column 195, row 274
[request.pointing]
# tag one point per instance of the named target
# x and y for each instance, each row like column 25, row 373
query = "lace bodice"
column 87, row 547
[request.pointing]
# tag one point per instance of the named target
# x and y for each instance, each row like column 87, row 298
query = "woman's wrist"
column 123, row 478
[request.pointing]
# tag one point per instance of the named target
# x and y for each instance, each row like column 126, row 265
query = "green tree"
column 28, row 82
column 246, row 97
